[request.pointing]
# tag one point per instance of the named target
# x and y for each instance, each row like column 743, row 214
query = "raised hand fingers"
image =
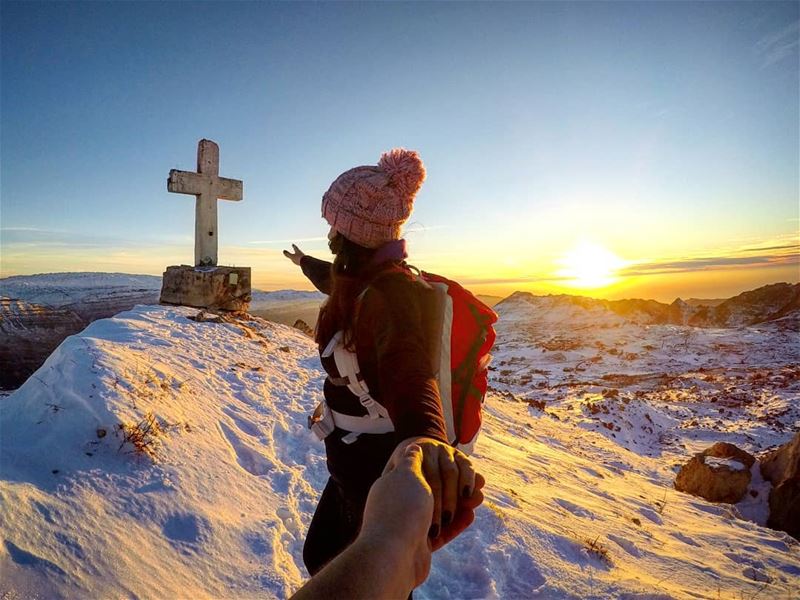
column 449, row 472
column 430, row 467
column 466, row 475
column 294, row 256
column 462, row 520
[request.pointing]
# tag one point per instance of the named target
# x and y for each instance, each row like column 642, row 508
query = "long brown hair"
column 350, row 273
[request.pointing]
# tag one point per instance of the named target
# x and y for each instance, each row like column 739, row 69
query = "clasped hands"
column 426, row 497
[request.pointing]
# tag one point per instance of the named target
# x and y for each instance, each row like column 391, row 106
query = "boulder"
column 720, row 473
column 304, row 327
column 782, row 468
column 782, row 463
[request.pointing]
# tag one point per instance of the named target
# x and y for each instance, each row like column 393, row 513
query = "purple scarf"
column 394, row 250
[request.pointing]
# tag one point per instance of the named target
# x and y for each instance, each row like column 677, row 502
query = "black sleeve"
column 318, row 271
column 408, row 389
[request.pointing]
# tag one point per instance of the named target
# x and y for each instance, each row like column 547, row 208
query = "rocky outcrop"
column 781, row 467
column 28, row 334
column 720, row 473
column 304, row 327
column 110, row 302
column 38, row 311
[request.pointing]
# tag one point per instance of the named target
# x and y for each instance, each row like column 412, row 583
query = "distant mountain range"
column 766, row 303
column 38, row 311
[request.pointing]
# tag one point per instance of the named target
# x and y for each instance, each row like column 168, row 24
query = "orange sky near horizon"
column 719, row 274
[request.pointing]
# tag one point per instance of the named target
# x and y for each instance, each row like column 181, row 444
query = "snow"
column 730, row 463
column 579, row 499
column 61, row 289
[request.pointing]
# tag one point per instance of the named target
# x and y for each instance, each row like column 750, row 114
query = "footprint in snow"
column 28, row 559
column 184, row 528
column 684, row 538
column 249, row 459
column 573, row 508
column 651, row 515
column 756, row 575
column 626, row 545
column 593, row 473
column 243, row 423
column 288, row 519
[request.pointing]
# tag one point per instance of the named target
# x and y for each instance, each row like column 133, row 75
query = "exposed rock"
column 782, row 468
column 303, row 326
column 782, row 463
column 28, row 334
column 720, row 473
column 38, row 311
column 784, row 507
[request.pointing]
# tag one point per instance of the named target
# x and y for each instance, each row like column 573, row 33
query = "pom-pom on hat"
column 368, row 205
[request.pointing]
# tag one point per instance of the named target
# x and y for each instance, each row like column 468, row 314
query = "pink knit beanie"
column 368, row 205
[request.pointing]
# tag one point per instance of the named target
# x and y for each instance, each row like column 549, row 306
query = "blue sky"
column 662, row 132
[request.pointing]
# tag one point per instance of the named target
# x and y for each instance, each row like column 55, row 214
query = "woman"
column 376, row 310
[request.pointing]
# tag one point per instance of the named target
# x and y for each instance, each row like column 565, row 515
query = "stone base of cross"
column 206, row 285
column 214, row 288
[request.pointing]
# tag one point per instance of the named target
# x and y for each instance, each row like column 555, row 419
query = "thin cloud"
column 292, row 241
column 710, row 263
column 796, row 247
column 780, row 44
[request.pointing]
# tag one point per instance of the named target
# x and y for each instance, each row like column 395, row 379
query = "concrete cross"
column 208, row 186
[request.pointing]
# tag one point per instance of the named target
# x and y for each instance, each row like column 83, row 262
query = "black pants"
column 335, row 525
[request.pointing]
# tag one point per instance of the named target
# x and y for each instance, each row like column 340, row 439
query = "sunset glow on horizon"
column 603, row 149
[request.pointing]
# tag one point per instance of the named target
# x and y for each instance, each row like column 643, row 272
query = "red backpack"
column 465, row 337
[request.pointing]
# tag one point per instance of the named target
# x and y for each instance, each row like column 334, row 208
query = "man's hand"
column 392, row 553
column 295, row 256
column 454, row 484
column 398, row 513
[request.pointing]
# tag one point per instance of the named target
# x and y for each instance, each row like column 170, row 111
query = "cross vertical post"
column 207, row 186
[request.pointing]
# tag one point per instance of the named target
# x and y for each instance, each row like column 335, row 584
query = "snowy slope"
column 222, row 510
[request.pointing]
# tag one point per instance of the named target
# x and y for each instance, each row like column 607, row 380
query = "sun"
column 589, row 266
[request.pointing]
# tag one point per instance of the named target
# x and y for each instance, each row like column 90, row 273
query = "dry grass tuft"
column 143, row 436
column 598, row 550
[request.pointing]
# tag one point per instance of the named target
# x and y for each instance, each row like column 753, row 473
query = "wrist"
column 391, row 557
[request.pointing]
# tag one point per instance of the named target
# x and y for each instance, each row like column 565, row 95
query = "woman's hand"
column 295, row 256
column 454, row 484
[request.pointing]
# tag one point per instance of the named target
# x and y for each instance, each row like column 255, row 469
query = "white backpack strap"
column 335, row 341
column 361, row 424
column 347, row 365
column 442, row 362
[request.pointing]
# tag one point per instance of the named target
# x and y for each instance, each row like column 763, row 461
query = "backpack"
column 462, row 334
column 465, row 337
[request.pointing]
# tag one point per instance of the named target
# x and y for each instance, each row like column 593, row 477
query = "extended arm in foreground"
column 392, row 554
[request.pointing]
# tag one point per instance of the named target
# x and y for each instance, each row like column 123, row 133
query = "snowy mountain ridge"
column 766, row 303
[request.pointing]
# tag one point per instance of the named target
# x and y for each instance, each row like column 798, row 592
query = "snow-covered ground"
column 579, row 455
column 65, row 289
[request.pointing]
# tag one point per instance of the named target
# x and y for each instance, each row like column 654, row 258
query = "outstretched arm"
column 318, row 271
column 392, row 553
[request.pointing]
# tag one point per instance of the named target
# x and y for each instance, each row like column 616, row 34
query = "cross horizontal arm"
column 187, row 182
